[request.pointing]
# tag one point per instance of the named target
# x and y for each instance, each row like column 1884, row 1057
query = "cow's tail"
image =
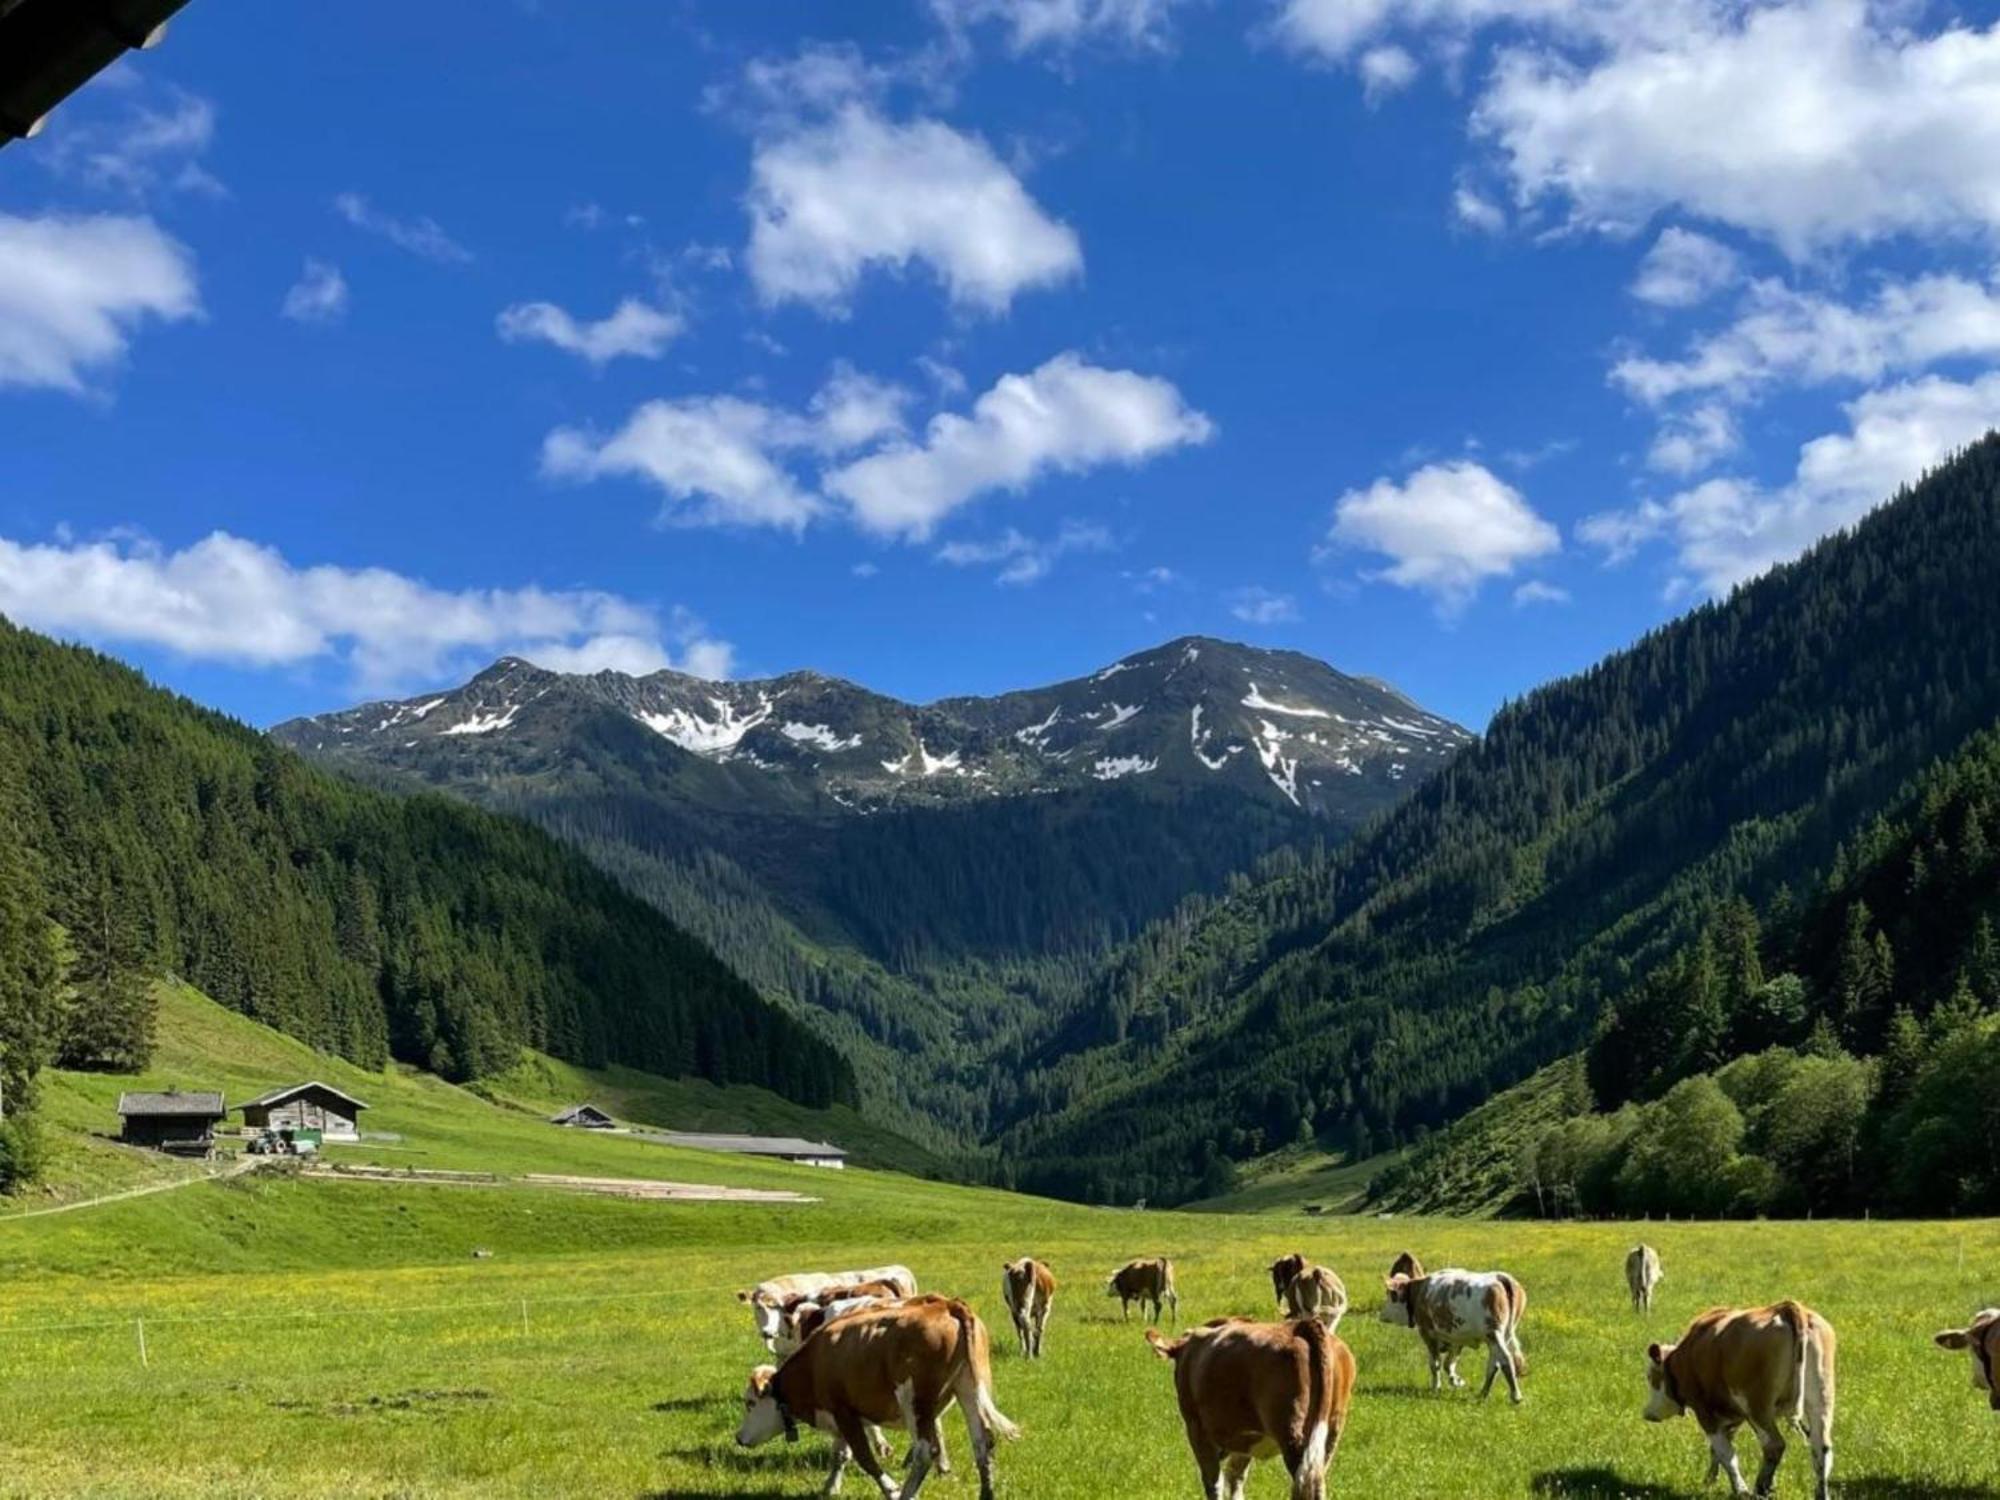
column 978, row 1355
column 1796, row 1318
column 1319, row 1397
column 1517, row 1306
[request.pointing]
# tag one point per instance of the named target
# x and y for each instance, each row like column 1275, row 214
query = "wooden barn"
column 584, row 1117
column 306, row 1106
column 181, row 1123
column 779, row 1147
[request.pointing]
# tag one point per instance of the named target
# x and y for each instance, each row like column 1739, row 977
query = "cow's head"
column 1663, row 1400
column 1284, row 1271
column 764, row 1416
column 1406, row 1264
column 768, row 1312
column 1982, row 1341
column 1396, row 1304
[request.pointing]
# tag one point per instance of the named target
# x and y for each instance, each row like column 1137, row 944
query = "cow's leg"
column 1437, row 1367
column 1234, row 1469
column 1818, row 1414
column 839, row 1470
column 1722, row 1446
column 977, row 1431
column 1208, row 1459
column 854, row 1434
column 1772, row 1440
column 1500, row 1361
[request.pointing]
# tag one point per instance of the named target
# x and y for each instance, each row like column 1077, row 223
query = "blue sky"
column 954, row 345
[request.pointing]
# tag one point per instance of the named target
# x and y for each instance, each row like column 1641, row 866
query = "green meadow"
column 306, row 1337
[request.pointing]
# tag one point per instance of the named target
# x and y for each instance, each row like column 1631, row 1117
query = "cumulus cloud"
column 1692, row 441
column 318, row 296
column 852, row 410
column 1476, row 211
column 1065, row 416
column 422, row 236
column 74, row 290
column 1536, row 591
column 153, row 140
column 1445, row 529
column 634, row 329
column 227, row 599
column 1256, row 605
column 1060, row 25
column 1727, row 530
column 832, row 199
column 1386, row 70
column 1684, row 269
column 1024, row 559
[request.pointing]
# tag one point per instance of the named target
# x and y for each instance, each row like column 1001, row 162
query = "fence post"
column 524, row 1317
column 144, row 1363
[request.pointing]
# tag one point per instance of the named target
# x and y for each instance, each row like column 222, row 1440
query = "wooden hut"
column 183, row 1124
column 306, row 1106
column 584, row 1117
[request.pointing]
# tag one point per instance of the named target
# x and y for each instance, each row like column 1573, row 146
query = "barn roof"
column 578, row 1112
column 172, row 1102
column 50, row 48
column 293, row 1090
column 751, row 1145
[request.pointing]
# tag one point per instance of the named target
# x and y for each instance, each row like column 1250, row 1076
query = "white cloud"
column 1475, row 211
column 155, row 143
column 853, row 410
column 1445, row 529
column 1336, row 30
column 1064, row 417
column 226, row 599
column 1386, row 70
column 318, row 296
column 1535, row 591
column 1727, row 530
column 636, row 329
column 1059, row 25
column 1256, row 605
column 422, row 236
column 830, row 200
column 1785, row 336
column 1688, row 443
column 1684, row 269
column 1813, row 123
column 1025, row 559
column 73, row 290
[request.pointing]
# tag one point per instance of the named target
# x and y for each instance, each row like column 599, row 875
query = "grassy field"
column 310, row 1338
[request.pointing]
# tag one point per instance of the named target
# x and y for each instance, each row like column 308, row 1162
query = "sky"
column 960, row 345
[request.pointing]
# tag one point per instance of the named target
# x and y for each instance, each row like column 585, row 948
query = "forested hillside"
column 144, row 835
column 1477, row 932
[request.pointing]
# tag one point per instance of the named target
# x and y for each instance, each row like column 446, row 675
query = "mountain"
column 1275, row 724
column 1365, row 995
column 928, row 885
column 147, row 836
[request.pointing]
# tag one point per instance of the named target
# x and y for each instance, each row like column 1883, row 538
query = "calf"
column 1029, row 1288
column 767, row 1299
column 1406, row 1264
column 1309, row 1291
column 1642, row 1274
column 1761, row 1365
column 1982, row 1339
column 897, row 1366
column 1144, row 1281
column 1251, row 1390
column 1454, row 1310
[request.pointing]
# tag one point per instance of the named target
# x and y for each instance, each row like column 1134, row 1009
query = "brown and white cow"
column 1406, row 1264
column 802, row 1316
column 1763, row 1365
column 1029, row 1288
column 1982, row 1340
column 767, row 1299
column 1144, row 1281
column 1454, row 1310
column 1252, row 1390
column 1305, row 1290
column 896, row 1366
column 1642, row 1274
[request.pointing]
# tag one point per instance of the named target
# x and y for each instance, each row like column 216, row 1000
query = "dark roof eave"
column 51, row 48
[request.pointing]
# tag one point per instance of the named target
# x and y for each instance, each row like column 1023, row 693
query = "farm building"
column 306, row 1106
column 779, row 1147
column 584, row 1117
column 183, row 1124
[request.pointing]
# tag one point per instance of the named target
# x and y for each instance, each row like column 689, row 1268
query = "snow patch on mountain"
column 1111, row 767
column 821, row 735
column 1284, row 772
column 920, row 762
column 1198, row 740
column 1120, row 714
column 1255, row 699
column 1035, row 734
column 711, row 737
column 485, row 723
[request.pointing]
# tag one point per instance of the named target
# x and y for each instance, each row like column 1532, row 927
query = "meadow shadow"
column 686, row 1403
column 1596, row 1482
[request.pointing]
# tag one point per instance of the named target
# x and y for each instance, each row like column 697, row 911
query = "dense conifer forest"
column 140, row 834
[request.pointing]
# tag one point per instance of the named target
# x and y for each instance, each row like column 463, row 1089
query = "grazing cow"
column 1144, row 1281
column 1982, row 1338
column 896, row 1366
column 1309, row 1291
column 1250, row 1390
column 1761, row 1365
column 1406, row 1264
column 767, row 1298
column 1029, row 1288
column 1454, row 1310
column 807, row 1315
column 1642, row 1274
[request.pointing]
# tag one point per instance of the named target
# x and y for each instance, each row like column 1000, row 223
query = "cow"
column 1642, row 1274
column 807, row 1315
column 1406, row 1264
column 1309, row 1291
column 1454, row 1310
column 1982, row 1338
column 1029, row 1289
column 1144, row 1281
column 767, row 1299
column 897, row 1366
column 1761, row 1365
column 1252, row 1390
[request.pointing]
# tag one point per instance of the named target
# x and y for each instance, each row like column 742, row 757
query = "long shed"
column 181, row 1123
column 780, row 1147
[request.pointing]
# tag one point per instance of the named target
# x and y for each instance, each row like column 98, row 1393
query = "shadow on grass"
column 1889, row 1487
column 687, row 1403
column 1595, row 1482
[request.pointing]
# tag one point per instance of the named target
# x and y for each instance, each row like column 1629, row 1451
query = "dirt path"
column 235, row 1169
column 647, row 1188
